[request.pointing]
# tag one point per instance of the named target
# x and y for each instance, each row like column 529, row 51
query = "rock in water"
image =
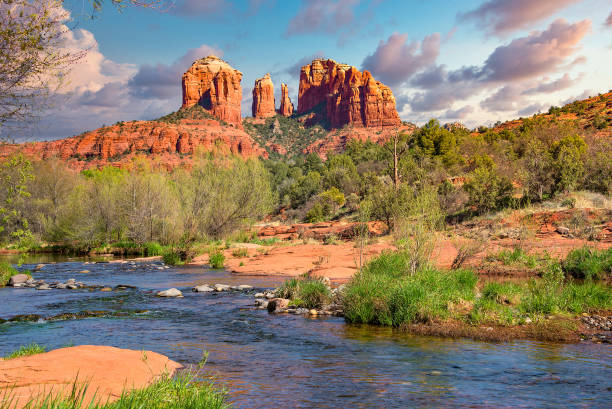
column 172, row 292
column 286, row 106
column 215, row 85
column 222, row 287
column 277, row 305
column 350, row 96
column 202, row 289
column 263, row 98
column 18, row 279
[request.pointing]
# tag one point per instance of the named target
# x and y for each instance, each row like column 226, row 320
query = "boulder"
column 202, row 289
column 172, row 292
column 43, row 287
column 244, row 287
column 277, row 305
column 18, row 279
column 222, row 287
column 263, row 98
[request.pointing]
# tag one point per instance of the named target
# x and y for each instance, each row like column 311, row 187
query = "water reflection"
column 272, row 361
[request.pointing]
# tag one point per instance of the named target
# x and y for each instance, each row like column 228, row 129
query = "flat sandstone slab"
column 107, row 371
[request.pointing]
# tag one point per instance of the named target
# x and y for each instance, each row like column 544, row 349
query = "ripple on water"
column 272, row 361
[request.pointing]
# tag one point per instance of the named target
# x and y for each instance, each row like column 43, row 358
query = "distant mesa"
column 213, row 84
column 349, row 96
column 263, row 98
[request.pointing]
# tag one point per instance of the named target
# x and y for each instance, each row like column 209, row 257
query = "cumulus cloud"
column 161, row 81
column 534, row 108
column 537, row 53
column 511, row 69
column 322, row 15
column 608, row 22
column 559, row 84
column 460, row 113
column 396, row 60
column 504, row 16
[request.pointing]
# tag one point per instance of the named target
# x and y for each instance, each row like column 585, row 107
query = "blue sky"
column 474, row 61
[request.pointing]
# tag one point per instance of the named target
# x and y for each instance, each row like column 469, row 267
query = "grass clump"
column 172, row 257
column 26, row 350
column 180, row 392
column 382, row 293
column 153, row 249
column 240, row 252
column 517, row 256
column 305, row 292
column 6, row 272
column 588, row 263
column 217, row 259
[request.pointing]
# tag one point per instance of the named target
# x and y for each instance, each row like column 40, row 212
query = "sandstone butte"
column 350, row 96
column 264, row 105
column 286, row 106
column 213, row 84
column 107, row 372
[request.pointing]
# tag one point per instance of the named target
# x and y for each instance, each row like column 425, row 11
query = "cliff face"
column 350, row 96
column 215, row 85
column 263, row 98
column 286, row 106
column 120, row 143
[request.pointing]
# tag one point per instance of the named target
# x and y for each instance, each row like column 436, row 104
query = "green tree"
column 15, row 173
column 487, row 190
column 568, row 165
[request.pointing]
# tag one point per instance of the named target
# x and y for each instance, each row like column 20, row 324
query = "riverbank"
column 99, row 374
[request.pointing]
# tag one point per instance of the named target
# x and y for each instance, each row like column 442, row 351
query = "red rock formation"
column 168, row 142
column 351, row 97
column 215, row 85
column 286, row 106
column 264, row 105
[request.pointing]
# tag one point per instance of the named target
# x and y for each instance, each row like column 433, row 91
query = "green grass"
column 240, row 253
column 26, row 350
column 517, row 256
column 305, row 291
column 6, row 272
column 217, row 259
column 587, row 263
column 181, row 392
column 172, row 257
column 382, row 293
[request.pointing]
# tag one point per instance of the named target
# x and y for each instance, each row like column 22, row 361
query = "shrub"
column 516, row 256
column 217, row 259
column 172, row 257
column 588, row 263
column 26, row 350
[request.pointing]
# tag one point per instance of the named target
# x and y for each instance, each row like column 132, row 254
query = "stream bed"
column 268, row 361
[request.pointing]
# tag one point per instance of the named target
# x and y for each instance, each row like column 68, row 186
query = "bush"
column 587, row 263
column 172, row 257
column 516, row 256
column 217, row 259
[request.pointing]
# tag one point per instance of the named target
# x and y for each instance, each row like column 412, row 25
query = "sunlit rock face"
column 215, row 85
column 349, row 95
column 263, row 98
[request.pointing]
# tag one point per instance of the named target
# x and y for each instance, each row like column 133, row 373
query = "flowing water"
column 268, row 361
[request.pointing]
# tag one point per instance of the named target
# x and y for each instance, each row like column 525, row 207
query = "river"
column 268, row 361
